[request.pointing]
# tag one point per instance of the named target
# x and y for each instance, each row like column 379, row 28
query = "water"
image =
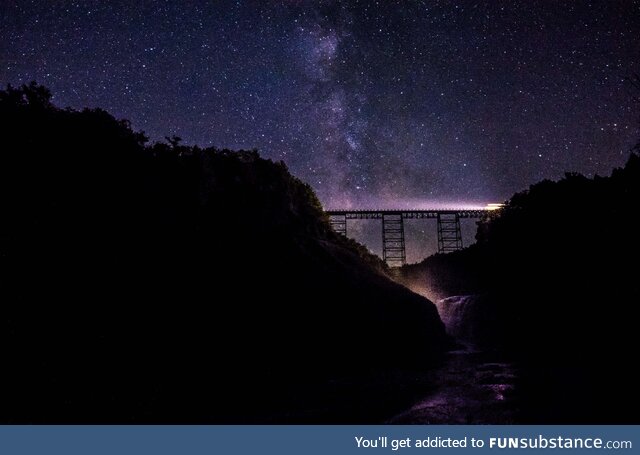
column 473, row 386
column 457, row 314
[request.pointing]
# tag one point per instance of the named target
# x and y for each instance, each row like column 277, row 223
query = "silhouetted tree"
column 168, row 283
column 560, row 295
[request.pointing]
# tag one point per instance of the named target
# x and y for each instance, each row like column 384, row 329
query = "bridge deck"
column 407, row 214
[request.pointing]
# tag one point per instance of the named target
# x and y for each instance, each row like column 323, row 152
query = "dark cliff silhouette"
column 168, row 283
column 558, row 278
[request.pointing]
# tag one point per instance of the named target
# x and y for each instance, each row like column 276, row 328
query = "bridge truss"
column 393, row 244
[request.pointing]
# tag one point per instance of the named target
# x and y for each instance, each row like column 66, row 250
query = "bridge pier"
column 449, row 232
column 393, row 251
column 339, row 223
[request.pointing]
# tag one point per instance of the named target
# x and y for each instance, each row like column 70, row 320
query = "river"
column 473, row 386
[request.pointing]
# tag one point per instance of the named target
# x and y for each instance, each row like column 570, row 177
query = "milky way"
column 388, row 103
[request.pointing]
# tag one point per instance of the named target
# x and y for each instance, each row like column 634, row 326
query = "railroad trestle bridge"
column 393, row 244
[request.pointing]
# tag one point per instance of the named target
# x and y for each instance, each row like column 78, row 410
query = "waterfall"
column 457, row 314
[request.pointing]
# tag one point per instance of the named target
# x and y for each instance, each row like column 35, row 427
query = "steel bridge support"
column 449, row 232
column 393, row 245
column 339, row 223
column 393, row 252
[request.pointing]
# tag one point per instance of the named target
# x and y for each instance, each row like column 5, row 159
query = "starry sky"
column 374, row 103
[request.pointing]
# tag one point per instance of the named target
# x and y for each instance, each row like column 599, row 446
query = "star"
column 428, row 102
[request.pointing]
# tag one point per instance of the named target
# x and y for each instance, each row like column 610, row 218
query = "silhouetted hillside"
column 176, row 284
column 558, row 271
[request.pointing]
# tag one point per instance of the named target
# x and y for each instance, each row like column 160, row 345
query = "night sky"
column 374, row 103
